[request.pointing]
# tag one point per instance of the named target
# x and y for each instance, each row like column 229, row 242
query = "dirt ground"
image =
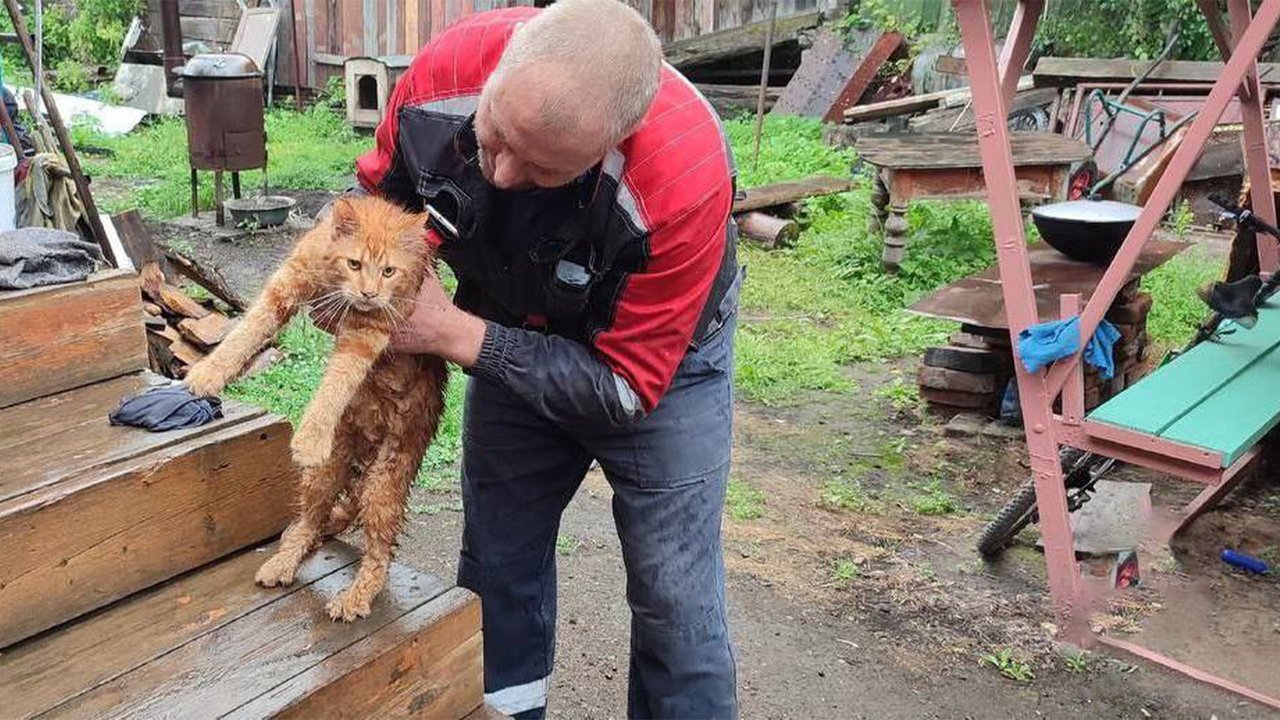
column 882, row 610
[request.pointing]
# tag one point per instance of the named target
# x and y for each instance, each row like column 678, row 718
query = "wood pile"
column 181, row 330
column 763, row 212
column 971, row 373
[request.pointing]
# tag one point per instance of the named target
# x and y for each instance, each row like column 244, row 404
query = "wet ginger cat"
column 363, row 436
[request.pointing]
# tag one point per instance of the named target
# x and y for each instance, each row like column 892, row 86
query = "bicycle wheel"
column 1016, row 515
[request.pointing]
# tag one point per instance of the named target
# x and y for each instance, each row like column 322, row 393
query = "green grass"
column 311, row 150
column 845, row 572
column 933, row 499
column 842, row 494
column 567, row 544
column 1177, row 310
column 827, row 303
column 743, row 502
column 287, row 387
column 1009, row 665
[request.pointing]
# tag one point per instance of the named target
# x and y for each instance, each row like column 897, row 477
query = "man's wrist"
column 464, row 337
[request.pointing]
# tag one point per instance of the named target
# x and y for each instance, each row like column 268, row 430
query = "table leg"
column 895, row 237
column 879, row 205
column 220, row 214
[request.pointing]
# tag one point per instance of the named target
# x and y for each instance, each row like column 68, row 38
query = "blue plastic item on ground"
column 1244, row 562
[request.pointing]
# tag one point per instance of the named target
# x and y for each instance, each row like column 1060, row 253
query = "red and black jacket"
column 593, row 292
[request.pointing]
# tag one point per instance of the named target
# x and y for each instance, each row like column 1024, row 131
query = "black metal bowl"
column 1087, row 230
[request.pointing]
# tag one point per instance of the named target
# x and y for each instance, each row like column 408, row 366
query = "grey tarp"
column 33, row 257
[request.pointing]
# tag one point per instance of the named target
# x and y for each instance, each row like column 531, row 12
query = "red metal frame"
column 989, row 81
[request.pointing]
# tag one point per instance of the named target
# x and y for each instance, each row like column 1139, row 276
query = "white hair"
column 612, row 55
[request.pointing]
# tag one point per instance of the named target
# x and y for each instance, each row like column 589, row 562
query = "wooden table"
column 947, row 165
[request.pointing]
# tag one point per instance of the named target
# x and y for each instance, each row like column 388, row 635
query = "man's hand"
column 437, row 327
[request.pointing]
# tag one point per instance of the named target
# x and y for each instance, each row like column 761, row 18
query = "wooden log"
column 186, row 353
column 740, row 40
column 951, row 398
column 151, row 308
column 731, row 100
column 208, row 278
column 956, row 380
column 767, row 229
column 135, row 238
column 65, row 336
column 966, row 359
column 161, row 359
column 1069, row 72
column 206, row 332
column 179, row 303
column 765, row 196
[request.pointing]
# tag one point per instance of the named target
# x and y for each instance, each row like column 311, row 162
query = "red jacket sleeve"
column 661, row 305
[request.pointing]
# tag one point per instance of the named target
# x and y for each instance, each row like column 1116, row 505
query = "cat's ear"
column 344, row 216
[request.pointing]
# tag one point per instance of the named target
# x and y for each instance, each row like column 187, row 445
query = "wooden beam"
column 915, row 103
column 788, row 192
column 1059, row 71
column 1217, row 28
column 737, row 41
column 1017, row 45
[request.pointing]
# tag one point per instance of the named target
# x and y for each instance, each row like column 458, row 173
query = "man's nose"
column 506, row 171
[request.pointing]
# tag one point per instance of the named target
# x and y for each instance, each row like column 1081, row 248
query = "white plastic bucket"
column 8, row 162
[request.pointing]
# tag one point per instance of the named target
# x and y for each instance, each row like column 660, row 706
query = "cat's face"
column 375, row 258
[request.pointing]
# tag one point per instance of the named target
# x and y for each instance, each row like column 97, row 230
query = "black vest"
column 551, row 259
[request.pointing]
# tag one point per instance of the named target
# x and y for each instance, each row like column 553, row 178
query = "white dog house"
column 368, row 82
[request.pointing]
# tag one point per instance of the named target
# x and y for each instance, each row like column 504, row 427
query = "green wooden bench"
column 1221, row 396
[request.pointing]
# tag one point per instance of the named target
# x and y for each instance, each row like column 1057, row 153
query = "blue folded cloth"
column 1039, row 345
column 166, row 408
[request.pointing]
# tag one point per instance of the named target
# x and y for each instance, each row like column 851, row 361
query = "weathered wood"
column 207, row 331
column 67, row 336
column 53, row 439
column 767, row 229
column 102, row 535
column 260, row 657
column 965, row 359
column 962, row 119
column 956, row 150
column 782, row 193
column 884, row 48
column 427, row 663
column 950, row 398
column 959, row 381
column 179, row 303
column 186, row 353
column 735, row 41
column 914, row 104
column 160, row 356
column 51, row 670
column 732, row 100
column 152, row 309
column 207, row 29
column 1067, row 72
column 135, row 237
column 208, row 278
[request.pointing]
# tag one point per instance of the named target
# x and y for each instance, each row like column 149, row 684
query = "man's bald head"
column 572, row 83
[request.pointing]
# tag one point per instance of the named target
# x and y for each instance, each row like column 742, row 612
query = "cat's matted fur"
column 366, row 430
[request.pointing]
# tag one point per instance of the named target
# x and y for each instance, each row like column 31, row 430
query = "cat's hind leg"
column 318, row 489
column 383, row 495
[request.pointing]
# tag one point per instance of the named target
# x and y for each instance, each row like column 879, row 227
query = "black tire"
column 1016, row 515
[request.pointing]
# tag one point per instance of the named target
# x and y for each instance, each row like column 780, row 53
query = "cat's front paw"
column 351, row 604
column 310, row 446
column 278, row 571
column 205, row 379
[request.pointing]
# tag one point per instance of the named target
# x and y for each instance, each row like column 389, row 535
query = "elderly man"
column 580, row 190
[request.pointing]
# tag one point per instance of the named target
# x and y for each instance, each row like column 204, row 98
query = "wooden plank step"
column 213, row 644
column 1215, row 396
column 67, row 336
column 91, row 513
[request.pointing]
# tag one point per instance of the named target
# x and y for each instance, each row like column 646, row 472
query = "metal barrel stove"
column 226, row 131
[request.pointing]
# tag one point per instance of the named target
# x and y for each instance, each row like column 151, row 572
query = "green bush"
column 77, row 36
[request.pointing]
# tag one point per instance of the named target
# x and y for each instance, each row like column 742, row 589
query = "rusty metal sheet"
column 977, row 300
column 824, row 70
